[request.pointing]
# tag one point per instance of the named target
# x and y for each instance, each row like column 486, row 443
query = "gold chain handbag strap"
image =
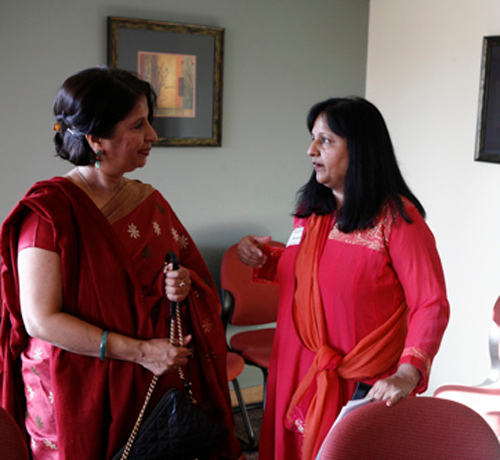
column 180, row 343
column 175, row 324
column 138, row 422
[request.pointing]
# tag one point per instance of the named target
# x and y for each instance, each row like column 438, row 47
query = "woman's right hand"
column 250, row 250
column 159, row 356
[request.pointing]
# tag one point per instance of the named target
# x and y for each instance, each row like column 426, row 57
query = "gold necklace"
column 83, row 180
column 82, row 177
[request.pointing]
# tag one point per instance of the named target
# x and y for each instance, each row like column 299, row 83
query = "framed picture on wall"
column 184, row 64
column 488, row 133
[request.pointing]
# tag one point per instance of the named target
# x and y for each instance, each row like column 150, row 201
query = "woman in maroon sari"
column 85, row 312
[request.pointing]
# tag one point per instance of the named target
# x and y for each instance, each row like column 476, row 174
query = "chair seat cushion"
column 235, row 365
column 255, row 346
column 13, row 443
column 414, row 429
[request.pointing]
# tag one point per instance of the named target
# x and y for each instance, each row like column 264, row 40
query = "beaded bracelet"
column 102, row 347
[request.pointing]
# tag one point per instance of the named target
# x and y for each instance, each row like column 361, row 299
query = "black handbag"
column 177, row 428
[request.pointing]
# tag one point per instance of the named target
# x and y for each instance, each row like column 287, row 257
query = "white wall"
column 423, row 72
column 281, row 56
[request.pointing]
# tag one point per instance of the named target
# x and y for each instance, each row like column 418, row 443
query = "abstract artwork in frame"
column 488, row 131
column 184, row 64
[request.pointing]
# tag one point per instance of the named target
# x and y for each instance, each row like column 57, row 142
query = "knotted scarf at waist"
column 373, row 355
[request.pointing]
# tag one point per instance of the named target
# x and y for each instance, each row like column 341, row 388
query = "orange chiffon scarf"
column 374, row 354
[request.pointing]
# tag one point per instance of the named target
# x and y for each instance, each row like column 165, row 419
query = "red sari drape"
column 96, row 402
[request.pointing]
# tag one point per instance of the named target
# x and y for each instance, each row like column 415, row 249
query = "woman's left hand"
column 397, row 386
column 177, row 283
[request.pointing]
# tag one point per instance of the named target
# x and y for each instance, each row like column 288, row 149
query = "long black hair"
column 373, row 176
column 94, row 101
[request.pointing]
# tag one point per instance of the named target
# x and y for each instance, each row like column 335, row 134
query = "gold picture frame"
column 184, row 64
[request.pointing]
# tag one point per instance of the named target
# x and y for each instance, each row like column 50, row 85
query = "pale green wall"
column 281, row 56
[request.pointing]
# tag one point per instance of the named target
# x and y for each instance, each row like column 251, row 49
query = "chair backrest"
column 414, row 429
column 494, row 347
column 254, row 303
column 496, row 312
column 13, row 444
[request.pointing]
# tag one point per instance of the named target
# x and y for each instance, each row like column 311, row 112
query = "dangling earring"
column 97, row 163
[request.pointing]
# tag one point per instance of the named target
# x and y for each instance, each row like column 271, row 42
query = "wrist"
column 409, row 372
column 140, row 351
column 124, row 348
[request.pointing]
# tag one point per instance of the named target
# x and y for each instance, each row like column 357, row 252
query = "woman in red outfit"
column 85, row 313
column 362, row 291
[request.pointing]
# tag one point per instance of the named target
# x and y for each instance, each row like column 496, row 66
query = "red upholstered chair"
column 420, row 428
column 485, row 397
column 249, row 303
column 235, row 366
column 13, row 443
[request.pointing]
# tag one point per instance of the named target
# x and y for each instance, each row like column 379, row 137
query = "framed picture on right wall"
column 488, row 131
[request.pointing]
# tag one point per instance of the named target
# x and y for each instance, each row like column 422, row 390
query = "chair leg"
column 251, row 444
column 264, row 371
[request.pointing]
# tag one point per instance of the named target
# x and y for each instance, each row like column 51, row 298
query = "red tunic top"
column 364, row 276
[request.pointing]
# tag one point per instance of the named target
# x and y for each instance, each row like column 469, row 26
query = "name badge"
column 295, row 237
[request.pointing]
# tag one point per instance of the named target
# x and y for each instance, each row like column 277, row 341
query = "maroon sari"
column 112, row 261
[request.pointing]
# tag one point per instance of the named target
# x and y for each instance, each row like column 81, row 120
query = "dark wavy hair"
column 373, row 176
column 94, row 101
